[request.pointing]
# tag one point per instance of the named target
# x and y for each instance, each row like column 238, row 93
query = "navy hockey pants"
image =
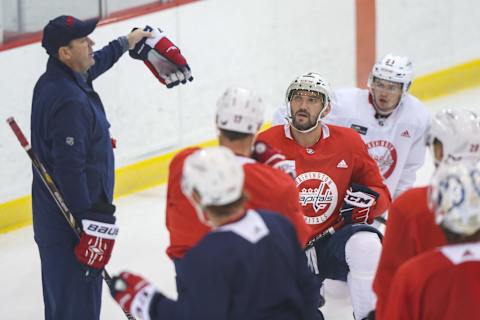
column 67, row 293
column 331, row 252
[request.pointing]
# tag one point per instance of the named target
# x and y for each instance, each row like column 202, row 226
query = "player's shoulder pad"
column 402, row 204
column 416, row 109
column 182, row 154
column 339, row 131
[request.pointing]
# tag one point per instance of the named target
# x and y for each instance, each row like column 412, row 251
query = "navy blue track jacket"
column 70, row 134
column 250, row 269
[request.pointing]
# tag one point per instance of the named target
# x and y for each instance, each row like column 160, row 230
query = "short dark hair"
column 234, row 135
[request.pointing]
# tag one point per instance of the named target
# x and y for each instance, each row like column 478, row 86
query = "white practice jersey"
column 397, row 143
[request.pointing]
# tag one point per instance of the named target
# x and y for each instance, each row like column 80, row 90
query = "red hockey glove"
column 357, row 204
column 97, row 238
column 264, row 153
column 163, row 58
column 134, row 294
column 96, row 243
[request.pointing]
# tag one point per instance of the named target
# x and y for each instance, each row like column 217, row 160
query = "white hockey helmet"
column 459, row 132
column 240, row 110
column 311, row 82
column 215, row 175
column 454, row 197
column 393, row 68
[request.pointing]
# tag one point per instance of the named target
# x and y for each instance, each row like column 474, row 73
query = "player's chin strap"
column 200, row 213
column 290, row 122
column 303, row 131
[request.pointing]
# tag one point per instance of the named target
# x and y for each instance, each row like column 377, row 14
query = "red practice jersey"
column 269, row 189
column 443, row 284
column 411, row 230
column 326, row 170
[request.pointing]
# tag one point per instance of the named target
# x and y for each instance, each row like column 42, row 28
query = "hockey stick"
column 326, row 234
column 381, row 219
column 52, row 188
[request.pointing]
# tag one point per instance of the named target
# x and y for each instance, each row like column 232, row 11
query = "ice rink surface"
column 141, row 247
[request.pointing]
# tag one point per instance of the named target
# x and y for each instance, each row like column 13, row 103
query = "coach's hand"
column 98, row 236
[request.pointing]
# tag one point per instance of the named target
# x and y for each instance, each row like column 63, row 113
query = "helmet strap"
column 290, row 119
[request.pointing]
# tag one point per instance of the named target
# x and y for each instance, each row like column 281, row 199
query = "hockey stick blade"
column 54, row 192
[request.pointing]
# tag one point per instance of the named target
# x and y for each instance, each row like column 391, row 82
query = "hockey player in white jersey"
column 392, row 123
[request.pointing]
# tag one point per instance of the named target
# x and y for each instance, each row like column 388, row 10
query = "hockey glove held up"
column 357, row 204
column 266, row 154
column 162, row 58
column 97, row 239
column 134, row 294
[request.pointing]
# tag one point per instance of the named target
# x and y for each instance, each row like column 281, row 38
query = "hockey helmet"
column 240, row 110
column 459, row 132
column 215, row 175
column 393, row 68
column 310, row 82
column 454, row 196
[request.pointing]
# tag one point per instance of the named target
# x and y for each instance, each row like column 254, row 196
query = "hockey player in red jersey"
column 238, row 118
column 390, row 120
column 250, row 266
column 411, row 229
column 340, row 187
column 444, row 283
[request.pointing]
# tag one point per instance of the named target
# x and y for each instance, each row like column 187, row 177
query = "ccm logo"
column 112, row 231
column 359, row 200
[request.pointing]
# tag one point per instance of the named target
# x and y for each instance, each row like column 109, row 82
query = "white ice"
column 141, row 248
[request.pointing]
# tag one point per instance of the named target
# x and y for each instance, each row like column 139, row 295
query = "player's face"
column 306, row 107
column 387, row 94
column 80, row 53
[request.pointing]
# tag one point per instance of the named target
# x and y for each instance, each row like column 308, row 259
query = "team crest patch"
column 385, row 155
column 70, row 141
column 319, row 191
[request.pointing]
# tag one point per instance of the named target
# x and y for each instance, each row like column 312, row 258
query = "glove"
column 357, row 204
column 163, row 58
column 98, row 237
column 134, row 294
column 266, row 154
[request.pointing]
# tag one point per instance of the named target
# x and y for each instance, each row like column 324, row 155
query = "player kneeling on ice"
column 444, row 283
column 340, row 186
column 250, row 266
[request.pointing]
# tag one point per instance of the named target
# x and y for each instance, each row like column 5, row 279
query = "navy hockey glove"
column 266, row 154
column 357, row 204
column 134, row 294
column 98, row 236
column 162, row 58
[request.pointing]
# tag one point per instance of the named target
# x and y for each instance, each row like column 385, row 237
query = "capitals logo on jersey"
column 384, row 154
column 319, row 191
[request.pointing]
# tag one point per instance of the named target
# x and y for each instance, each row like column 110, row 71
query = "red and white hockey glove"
column 134, row 294
column 97, row 239
column 357, row 204
column 162, row 58
column 266, row 154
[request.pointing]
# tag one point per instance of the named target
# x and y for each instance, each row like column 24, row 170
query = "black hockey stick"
column 52, row 188
column 381, row 219
column 326, row 234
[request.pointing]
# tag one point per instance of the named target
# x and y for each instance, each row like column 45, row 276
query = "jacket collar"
column 56, row 66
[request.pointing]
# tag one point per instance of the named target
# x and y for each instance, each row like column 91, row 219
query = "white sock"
column 362, row 253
